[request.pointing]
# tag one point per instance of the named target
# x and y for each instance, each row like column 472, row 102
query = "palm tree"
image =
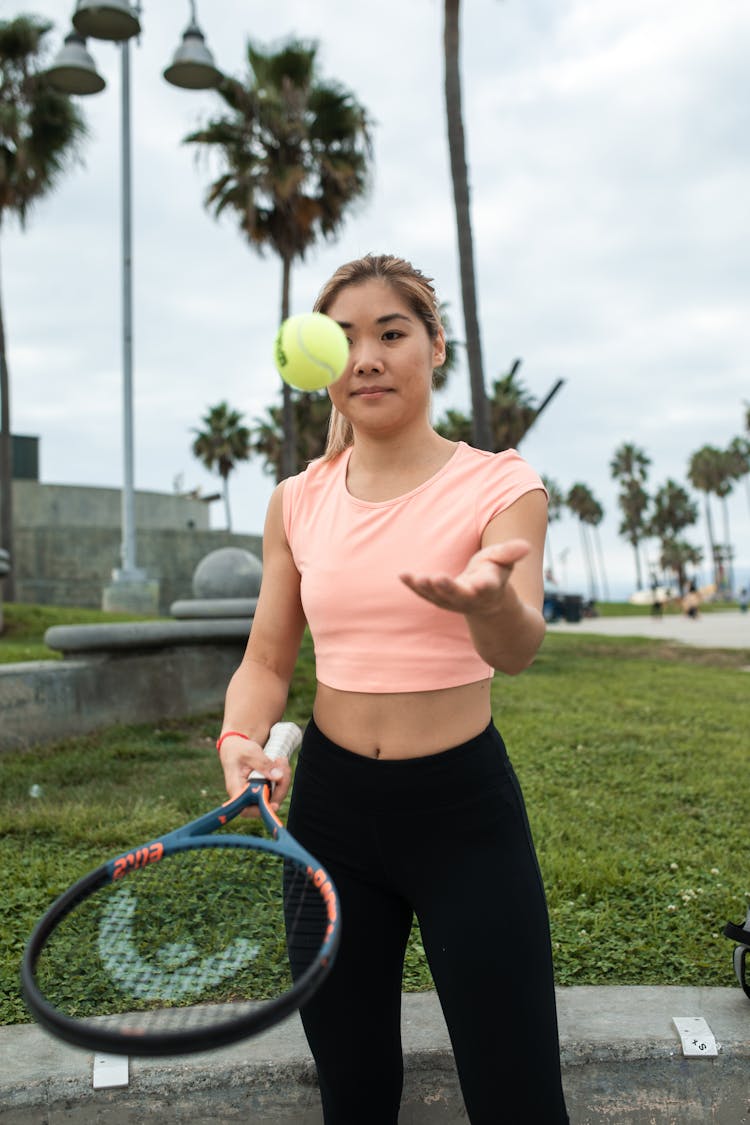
column 555, row 506
column 738, row 462
column 706, row 473
column 727, row 470
column 441, row 375
column 673, row 511
column 481, row 428
column 633, row 501
column 311, row 414
column 592, row 516
column 295, row 154
column 677, row 555
column 739, row 449
column 221, row 444
column 513, row 412
column 580, row 500
column 630, row 463
column 40, row 131
column 455, row 426
column 630, row 466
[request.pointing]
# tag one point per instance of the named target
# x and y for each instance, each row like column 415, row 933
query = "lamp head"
column 193, row 67
column 73, row 70
column 106, row 19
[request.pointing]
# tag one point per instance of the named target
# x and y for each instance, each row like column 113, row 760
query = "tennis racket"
column 194, row 940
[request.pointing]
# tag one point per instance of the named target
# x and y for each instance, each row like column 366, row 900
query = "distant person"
column 743, row 599
column 691, row 602
column 657, row 604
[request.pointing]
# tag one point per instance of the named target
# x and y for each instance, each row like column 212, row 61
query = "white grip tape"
column 282, row 742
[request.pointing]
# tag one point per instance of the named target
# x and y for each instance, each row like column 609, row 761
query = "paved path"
column 623, row 1064
column 730, row 629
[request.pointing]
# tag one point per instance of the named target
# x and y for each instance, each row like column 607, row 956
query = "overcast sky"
column 609, row 153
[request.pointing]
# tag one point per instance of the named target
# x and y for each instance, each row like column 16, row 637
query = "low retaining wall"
column 162, row 671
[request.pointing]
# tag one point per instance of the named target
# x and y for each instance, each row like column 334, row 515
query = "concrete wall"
column 67, row 542
column 67, row 505
column 71, row 565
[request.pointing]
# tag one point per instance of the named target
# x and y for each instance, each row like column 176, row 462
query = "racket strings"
column 201, row 937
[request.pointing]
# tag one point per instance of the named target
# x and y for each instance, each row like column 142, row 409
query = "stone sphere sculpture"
column 229, row 572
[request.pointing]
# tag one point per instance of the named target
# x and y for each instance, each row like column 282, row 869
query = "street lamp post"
column 74, row 72
column 129, row 572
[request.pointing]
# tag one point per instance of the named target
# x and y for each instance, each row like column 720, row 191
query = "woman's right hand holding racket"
column 240, row 757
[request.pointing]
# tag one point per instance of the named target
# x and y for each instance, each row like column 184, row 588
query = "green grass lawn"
column 633, row 759
column 25, row 625
column 672, row 608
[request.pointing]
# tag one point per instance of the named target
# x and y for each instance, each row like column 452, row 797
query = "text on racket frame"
column 324, row 885
column 141, row 857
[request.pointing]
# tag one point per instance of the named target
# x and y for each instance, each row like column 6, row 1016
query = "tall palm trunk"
column 6, row 463
column 588, row 560
column 289, row 447
column 711, row 539
column 727, row 552
column 482, row 433
column 638, row 571
column 225, row 497
column 602, row 568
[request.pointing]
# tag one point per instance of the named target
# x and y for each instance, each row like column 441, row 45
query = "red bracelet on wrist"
column 227, row 734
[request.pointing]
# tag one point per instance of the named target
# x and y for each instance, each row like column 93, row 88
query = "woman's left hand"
column 480, row 588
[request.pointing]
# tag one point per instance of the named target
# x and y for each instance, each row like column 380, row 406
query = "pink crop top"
column 370, row 632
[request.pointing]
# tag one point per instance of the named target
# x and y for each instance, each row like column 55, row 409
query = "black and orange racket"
column 194, row 940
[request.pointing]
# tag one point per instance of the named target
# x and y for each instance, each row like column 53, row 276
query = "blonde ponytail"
column 340, row 435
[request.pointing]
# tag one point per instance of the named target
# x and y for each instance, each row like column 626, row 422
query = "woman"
column 417, row 563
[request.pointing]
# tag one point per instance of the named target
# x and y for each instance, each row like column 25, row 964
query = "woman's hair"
column 414, row 289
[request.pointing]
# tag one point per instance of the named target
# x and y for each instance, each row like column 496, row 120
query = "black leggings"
column 444, row 837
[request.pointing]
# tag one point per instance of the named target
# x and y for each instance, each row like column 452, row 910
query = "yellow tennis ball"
column 310, row 351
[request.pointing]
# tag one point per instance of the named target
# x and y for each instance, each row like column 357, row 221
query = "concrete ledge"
column 45, row 700
column 622, row 1065
column 133, row 636
column 199, row 608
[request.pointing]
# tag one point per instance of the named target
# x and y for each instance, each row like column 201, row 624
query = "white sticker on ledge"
column 697, row 1038
column 110, row 1070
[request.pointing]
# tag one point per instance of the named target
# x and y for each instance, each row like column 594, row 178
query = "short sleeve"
column 507, row 477
column 292, row 486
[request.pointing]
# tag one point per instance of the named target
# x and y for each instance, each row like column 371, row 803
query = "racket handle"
column 282, row 742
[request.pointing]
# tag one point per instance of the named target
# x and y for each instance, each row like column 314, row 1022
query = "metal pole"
column 128, row 554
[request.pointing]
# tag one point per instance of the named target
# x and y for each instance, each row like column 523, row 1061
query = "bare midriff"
column 403, row 724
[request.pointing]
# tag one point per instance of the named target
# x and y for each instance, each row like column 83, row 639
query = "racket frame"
column 198, row 833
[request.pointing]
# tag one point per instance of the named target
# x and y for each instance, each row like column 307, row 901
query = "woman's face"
column 387, row 381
